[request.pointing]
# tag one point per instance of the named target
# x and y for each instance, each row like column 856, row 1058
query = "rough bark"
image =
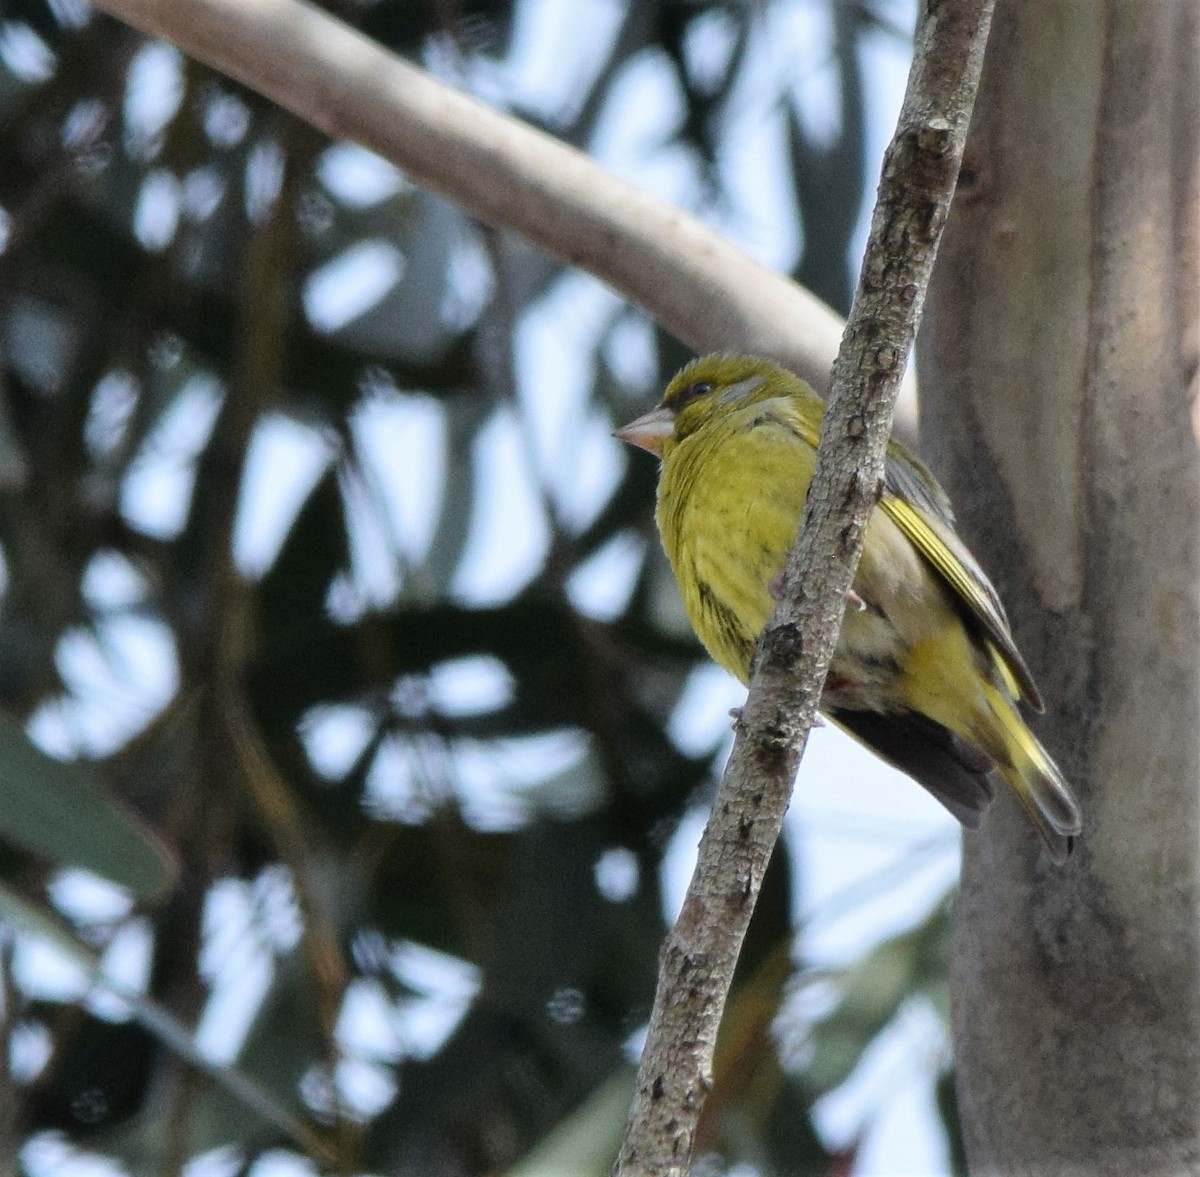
column 698, row 959
column 1059, row 383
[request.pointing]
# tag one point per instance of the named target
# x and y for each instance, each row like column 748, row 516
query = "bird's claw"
column 775, row 588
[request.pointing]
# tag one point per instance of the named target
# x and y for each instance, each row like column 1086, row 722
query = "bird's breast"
column 728, row 509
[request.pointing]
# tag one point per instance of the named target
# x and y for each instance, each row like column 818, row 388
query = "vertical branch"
column 1061, row 364
column 698, row 959
column 265, row 324
column 221, row 640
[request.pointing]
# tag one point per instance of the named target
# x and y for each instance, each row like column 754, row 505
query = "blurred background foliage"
column 319, row 562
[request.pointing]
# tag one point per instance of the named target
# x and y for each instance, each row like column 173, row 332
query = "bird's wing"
column 910, row 478
column 917, row 505
column 932, row 536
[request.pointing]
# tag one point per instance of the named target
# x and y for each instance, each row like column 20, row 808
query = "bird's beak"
column 650, row 430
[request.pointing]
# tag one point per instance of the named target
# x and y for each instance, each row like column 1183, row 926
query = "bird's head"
column 700, row 393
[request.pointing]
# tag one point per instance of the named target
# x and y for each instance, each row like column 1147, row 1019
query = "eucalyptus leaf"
column 585, row 1143
column 872, row 990
column 57, row 810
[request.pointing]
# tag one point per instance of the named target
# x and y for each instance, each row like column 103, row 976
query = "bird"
column 926, row 672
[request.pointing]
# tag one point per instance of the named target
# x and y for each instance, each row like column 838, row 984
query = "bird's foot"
column 853, row 600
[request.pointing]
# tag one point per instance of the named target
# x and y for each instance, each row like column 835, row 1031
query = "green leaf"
column 585, row 1143
column 948, row 1113
column 872, row 991
column 57, row 810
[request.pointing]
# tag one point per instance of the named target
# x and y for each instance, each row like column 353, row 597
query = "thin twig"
column 48, row 927
column 698, row 959
column 278, row 809
column 10, row 1102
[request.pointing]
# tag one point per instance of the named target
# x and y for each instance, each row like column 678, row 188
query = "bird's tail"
column 1035, row 778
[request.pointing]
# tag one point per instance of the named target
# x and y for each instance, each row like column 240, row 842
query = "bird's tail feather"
column 954, row 771
column 1035, row 778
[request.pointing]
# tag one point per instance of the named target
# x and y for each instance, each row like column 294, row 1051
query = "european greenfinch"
column 926, row 672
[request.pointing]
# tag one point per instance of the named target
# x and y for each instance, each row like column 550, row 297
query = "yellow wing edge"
column 949, row 556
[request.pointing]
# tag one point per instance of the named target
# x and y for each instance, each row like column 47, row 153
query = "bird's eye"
column 692, row 391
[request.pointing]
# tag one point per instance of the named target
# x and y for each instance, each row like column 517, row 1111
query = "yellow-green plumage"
column 926, row 671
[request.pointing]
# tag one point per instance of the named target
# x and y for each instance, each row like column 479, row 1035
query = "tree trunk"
column 1059, row 385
